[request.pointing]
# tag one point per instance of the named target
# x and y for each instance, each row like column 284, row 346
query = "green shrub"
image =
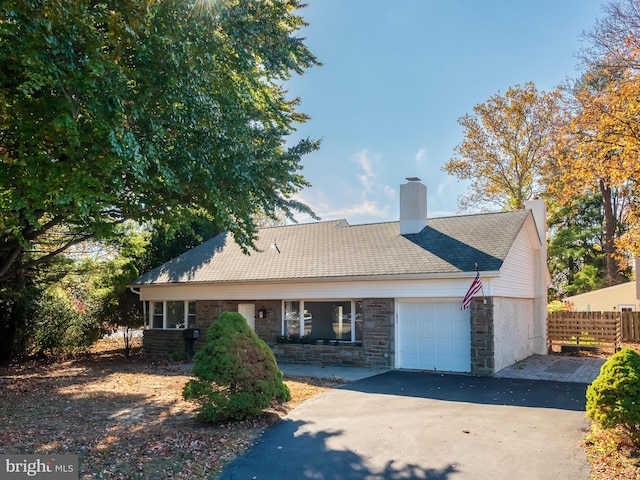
column 613, row 399
column 237, row 376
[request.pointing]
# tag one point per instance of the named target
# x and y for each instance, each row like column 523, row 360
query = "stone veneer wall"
column 482, row 337
column 378, row 343
column 162, row 344
column 376, row 350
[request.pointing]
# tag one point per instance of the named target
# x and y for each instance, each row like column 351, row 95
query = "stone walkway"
column 554, row 367
column 537, row 367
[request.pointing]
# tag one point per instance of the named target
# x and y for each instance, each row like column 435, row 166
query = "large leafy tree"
column 577, row 258
column 506, row 144
column 169, row 240
column 113, row 110
column 601, row 147
column 599, row 144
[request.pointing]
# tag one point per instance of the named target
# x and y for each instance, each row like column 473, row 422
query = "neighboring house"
column 637, row 269
column 385, row 294
column 619, row 298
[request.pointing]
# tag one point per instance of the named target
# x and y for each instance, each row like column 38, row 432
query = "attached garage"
column 433, row 336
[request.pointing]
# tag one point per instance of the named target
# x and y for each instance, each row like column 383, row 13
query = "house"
column 618, row 298
column 384, row 294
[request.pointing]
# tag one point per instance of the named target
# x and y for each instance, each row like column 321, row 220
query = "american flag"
column 475, row 287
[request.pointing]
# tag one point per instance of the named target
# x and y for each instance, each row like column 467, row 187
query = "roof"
column 335, row 249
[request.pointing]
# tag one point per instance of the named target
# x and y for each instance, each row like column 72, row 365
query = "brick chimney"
column 413, row 206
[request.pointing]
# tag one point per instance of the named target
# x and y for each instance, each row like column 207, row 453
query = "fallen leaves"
column 125, row 419
column 611, row 455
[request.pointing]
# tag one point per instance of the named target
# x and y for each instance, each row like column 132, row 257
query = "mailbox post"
column 190, row 335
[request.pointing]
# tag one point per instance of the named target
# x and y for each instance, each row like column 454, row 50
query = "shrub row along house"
column 380, row 295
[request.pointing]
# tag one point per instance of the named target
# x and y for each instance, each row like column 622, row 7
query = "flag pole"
column 484, row 299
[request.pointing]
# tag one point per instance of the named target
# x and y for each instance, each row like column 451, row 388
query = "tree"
column 169, row 240
column 576, row 245
column 141, row 110
column 237, row 376
column 601, row 143
column 506, row 143
column 598, row 144
column 613, row 42
column 604, row 144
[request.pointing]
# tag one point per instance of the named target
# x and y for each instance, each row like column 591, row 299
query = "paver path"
column 554, row 367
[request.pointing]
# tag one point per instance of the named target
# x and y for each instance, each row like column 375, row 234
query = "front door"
column 248, row 311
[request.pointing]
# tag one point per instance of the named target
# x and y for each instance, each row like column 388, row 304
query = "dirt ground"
column 125, row 419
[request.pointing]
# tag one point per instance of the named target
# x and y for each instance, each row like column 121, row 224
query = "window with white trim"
column 322, row 320
column 172, row 314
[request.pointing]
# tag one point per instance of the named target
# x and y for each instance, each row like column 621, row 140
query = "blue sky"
column 397, row 75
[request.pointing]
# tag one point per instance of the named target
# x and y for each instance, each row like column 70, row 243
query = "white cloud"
column 327, row 210
column 421, row 157
column 441, row 187
column 368, row 178
column 367, row 208
column 390, row 192
column 357, row 195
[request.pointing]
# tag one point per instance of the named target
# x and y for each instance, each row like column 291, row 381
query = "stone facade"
column 163, row 344
column 482, row 337
column 377, row 348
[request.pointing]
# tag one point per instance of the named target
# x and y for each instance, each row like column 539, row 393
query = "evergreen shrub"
column 237, row 376
column 613, row 399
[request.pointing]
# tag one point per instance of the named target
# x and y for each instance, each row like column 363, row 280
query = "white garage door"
column 434, row 336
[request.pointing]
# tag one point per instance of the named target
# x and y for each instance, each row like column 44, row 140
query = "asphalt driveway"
column 413, row 425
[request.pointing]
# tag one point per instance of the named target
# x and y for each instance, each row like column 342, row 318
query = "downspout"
column 144, row 307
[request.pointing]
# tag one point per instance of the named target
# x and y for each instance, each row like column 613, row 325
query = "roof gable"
column 335, row 249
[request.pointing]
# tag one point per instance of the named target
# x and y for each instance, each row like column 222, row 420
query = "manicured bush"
column 613, row 399
column 237, row 376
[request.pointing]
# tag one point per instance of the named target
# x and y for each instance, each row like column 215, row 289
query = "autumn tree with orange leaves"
column 598, row 148
column 506, row 144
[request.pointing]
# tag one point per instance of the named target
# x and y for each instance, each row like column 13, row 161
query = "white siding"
column 520, row 268
column 451, row 288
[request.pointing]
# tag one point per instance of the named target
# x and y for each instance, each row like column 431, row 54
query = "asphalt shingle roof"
column 335, row 249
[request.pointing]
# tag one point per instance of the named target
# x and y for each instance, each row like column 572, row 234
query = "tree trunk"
column 11, row 313
column 612, row 271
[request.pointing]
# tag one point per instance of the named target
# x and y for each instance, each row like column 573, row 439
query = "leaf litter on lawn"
column 125, row 419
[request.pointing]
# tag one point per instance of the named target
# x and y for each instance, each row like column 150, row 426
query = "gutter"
column 427, row 276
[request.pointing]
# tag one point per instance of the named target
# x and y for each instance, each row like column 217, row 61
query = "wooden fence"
column 630, row 326
column 586, row 329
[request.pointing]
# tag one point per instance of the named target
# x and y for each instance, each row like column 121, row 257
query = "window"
column 173, row 314
column 291, row 317
column 323, row 320
column 157, row 315
column 627, row 308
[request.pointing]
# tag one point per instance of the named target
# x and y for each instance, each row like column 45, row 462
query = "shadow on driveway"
column 416, row 425
column 479, row 390
column 284, row 452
